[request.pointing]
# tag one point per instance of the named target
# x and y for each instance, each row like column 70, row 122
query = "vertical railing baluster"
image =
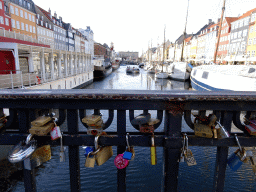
column 221, row 156
column 74, row 161
column 28, row 169
column 172, row 128
column 121, row 132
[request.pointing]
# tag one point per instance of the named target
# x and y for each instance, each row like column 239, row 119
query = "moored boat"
column 102, row 67
column 179, row 71
column 224, row 77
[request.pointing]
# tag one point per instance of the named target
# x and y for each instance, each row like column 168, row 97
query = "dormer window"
column 42, row 23
column 53, row 21
column 46, row 25
column 37, row 15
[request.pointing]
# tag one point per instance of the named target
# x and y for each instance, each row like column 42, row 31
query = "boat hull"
column 162, row 75
column 100, row 74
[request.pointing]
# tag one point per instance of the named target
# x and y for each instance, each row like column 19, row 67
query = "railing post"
column 222, row 155
column 28, row 169
column 12, row 79
column 121, row 132
column 74, row 161
column 172, row 128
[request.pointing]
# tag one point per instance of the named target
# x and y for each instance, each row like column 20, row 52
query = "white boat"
column 224, row 77
column 179, row 71
column 162, row 75
column 132, row 70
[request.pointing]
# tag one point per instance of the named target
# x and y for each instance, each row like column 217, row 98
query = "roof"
column 188, row 39
column 248, row 13
column 230, row 19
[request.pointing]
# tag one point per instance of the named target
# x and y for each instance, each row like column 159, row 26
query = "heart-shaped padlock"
column 120, row 162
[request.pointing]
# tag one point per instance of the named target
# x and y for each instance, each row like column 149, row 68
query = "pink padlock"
column 55, row 133
column 120, row 162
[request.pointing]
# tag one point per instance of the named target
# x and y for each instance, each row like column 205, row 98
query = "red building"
column 100, row 50
column 5, row 18
column 224, row 38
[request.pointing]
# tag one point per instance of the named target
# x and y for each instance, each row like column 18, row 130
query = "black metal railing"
column 171, row 106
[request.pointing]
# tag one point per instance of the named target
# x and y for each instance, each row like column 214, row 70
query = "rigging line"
column 184, row 35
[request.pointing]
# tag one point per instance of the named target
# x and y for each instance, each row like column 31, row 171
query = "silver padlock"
column 23, row 150
column 182, row 154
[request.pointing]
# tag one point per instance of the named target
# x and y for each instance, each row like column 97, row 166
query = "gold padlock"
column 43, row 130
column 202, row 130
column 41, row 155
column 91, row 119
column 103, row 154
column 40, row 121
column 90, row 161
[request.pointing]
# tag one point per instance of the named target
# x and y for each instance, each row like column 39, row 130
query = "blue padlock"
column 127, row 155
column 88, row 150
column 235, row 162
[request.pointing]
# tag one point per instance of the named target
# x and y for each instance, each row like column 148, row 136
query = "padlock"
column 202, row 130
column 90, row 160
column 55, row 133
column 23, row 150
column 221, row 131
column 153, row 150
column 94, row 130
column 88, row 150
column 42, row 130
column 212, row 120
column 120, row 162
column 41, row 155
column 103, row 154
column 41, row 121
column 188, row 155
column 128, row 153
column 215, row 133
column 236, row 159
column 141, row 119
column 251, row 127
column 145, row 128
column 153, row 121
column 91, row 119
column 182, row 154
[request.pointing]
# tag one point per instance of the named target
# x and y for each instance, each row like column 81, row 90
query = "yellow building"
column 251, row 42
column 23, row 17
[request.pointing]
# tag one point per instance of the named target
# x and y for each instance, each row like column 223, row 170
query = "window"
column 245, row 33
column 254, row 41
column 253, row 53
column 29, row 6
column 248, row 53
column 18, row 24
column 250, row 42
column 1, row 20
column 20, row 2
column 26, row 15
column 16, row 11
column 11, row 9
column 30, row 27
column 7, row 21
column 13, row 23
column 21, row 13
column 33, row 18
column 22, row 26
column 1, row 5
column 251, row 29
column 29, row 17
column 26, row 27
column 34, row 30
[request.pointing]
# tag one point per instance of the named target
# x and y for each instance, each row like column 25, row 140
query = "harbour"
column 141, row 175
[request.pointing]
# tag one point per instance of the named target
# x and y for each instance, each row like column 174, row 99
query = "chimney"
column 60, row 18
column 210, row 20
column 50, row 11
column 55, row 14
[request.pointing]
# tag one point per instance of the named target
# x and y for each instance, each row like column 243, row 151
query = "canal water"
column 141, row 175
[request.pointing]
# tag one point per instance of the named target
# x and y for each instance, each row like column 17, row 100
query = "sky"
column 132, row 25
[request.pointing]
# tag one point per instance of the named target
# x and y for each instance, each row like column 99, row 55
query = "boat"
column 116, row 64
column 162, row 74
column 141, row 65
column 179, row 71
column 102, row 67
column 224, row 77
column 132, row 70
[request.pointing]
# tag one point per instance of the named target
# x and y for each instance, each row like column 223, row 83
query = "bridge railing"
column 171, row 107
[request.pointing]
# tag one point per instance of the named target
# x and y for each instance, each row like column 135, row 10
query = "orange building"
column 23, row 17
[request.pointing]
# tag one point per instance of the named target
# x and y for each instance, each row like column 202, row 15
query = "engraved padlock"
column 90, row 160
column 188, row 155
column 104, row 154
column 202, row 130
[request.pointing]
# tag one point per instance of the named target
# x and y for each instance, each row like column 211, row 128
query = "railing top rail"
column 105, row 94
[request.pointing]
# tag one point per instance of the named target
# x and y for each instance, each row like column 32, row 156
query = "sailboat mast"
column 184, row 35
column 163, row 51
column 218, row 40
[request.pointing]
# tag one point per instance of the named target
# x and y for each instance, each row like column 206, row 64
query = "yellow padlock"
column 153, row 150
